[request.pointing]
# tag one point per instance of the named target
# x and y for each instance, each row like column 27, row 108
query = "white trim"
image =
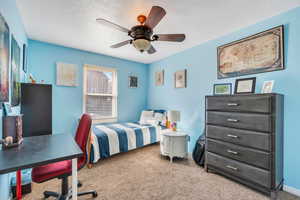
column 114, row 94
column 101, row 68
column 104, row 120
column 291, row 190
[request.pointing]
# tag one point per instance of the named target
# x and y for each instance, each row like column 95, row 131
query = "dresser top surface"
column 246, row 95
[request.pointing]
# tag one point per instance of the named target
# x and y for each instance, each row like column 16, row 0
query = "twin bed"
column 111, row 139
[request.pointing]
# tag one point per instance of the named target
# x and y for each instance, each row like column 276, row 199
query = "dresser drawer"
column 252, row 139
column 241, row 170
column 256, row 122
column 242, row 103
column 247, row 155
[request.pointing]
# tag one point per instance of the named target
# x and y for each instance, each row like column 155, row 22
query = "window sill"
column 104, row 120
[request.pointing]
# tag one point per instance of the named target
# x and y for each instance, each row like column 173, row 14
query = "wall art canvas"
column 180, row 79
column 15, row 70
column 262, row 52
column 66, row 74
column 4, row 60
column 159, row 78
column 133, row 81
column 24, row 58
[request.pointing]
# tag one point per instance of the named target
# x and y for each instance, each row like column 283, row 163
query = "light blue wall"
column 67, row 101
column 201, row 62
column 9, row 11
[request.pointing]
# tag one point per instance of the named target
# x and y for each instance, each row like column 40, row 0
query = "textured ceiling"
column 72, row 23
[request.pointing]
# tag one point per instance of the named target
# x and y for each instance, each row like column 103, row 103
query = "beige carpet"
column 144, row 175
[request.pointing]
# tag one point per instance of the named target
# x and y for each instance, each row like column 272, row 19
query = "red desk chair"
column 62, row 170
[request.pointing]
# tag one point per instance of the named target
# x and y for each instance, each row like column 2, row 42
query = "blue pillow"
column 160, row 111
column 157, row 111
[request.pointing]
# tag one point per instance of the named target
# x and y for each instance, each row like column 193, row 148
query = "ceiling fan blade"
column 154, row 17
column 120, row 44
column 171, row 37
column 112, row 25
column 151, row 50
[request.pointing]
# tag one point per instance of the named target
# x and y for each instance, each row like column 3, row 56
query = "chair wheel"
column 95, row 194
column 46, row 196
column 79, row 184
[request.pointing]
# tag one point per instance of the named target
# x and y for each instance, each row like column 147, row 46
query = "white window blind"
column 100, row 92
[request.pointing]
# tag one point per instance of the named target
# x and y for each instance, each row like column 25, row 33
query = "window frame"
column 114, row 95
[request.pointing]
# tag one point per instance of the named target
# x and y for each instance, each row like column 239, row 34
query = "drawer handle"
column 230, row 167
column 232, row 104
column 232, row 136
column 232, row 152
column 233, row 120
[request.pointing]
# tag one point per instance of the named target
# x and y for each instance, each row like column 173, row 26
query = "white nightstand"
column 174, row 144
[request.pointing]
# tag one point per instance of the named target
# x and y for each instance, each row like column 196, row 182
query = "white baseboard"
column 291, row 190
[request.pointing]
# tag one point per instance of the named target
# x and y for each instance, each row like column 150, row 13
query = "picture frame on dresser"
column 222, row 89
column 267, row 87
column 245, row 86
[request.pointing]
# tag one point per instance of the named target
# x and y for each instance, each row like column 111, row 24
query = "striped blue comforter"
column 110, row 139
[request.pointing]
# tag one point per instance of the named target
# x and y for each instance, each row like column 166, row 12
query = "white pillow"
column 146, row 117
column 158, row 117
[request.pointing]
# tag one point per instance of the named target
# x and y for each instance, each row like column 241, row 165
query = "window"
column 100, row 93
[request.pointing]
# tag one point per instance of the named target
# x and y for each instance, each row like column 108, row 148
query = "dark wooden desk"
column 40, row 150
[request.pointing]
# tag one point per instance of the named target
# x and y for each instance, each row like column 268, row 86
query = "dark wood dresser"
column 244, row 139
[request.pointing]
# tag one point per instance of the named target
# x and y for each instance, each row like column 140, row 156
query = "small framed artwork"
column 222, row 89
column 159, row 78
column 66, row 74
column 245, row 86
column 24, row 58
column 180, row 79
column 267, row 87
column 133, row 81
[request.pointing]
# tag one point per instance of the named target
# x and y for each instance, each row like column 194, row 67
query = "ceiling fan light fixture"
column 141, row 44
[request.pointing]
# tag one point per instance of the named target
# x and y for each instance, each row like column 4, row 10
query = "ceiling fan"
column 142, row 35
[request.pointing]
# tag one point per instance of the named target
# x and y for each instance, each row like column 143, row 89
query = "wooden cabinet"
column 244, row 139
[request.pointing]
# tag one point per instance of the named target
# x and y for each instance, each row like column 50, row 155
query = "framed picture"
column 4, row 60
column 262, row 52
column 180, row 79
column 15, row 72
column 245, row 86
column 66, row 74
column 159, row 78
column 24, row 58
column 222, row 89
column 133, row 81
column 267, row 87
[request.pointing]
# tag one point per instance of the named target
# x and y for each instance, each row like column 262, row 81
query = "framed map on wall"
column 4, row 60
column 262, row 52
